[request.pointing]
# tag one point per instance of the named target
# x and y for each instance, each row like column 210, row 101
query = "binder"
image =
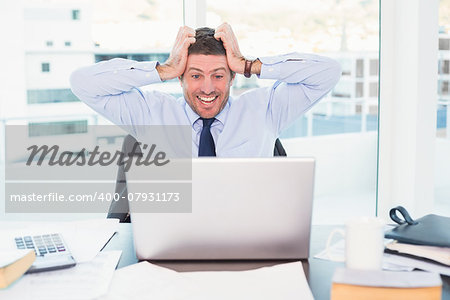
column 430, row 230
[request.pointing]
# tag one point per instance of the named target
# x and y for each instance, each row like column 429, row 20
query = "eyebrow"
column 201, row 71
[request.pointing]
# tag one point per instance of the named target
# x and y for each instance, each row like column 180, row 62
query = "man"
column 206, row 61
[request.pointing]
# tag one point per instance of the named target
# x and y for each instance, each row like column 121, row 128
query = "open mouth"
column 207, row 100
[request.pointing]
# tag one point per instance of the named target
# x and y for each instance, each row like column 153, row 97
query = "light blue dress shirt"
column 247, row 126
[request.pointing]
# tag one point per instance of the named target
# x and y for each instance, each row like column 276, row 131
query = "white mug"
column 364, row 243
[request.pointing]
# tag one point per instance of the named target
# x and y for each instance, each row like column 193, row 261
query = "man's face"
column 206, row 84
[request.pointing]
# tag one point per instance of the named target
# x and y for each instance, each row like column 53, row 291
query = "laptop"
column 242, row 209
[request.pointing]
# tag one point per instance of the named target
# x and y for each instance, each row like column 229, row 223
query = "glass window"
column 41, row 84
column 75, row 14
column 444, row 88
column 57, row 128
column 445, row 66
column 444, row 43
column 359, row 68
column 344, row 30
column 442, row 157
column 373, row 67
column 45, row 67
column 359, row 89
column 373, row 89
column 50, row 96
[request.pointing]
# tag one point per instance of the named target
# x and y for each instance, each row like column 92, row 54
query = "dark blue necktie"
column 206, row 146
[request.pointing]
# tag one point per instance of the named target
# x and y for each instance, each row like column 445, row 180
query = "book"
column 438, row 254
column 386, row 285
column 14, row 264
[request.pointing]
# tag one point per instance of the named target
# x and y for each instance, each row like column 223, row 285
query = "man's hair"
column 205, row 43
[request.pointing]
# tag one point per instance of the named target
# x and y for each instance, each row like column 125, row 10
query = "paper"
column 147, row 281
column 84, row 238
column 284, row 281
column 439, row 254
column 88, row 280
column 417, row 264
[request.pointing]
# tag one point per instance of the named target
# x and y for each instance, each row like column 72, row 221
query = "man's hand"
column 176, row 63
column 236, row 61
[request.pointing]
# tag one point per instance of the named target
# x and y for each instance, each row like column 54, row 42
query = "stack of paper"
column 386, row 285
column 391, row 262
column 147, row 281
column 438, row 254
column 88, row 280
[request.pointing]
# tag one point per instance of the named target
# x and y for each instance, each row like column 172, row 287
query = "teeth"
column 207, row 99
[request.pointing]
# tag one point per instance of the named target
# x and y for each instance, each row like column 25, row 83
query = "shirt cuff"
column 271, row 67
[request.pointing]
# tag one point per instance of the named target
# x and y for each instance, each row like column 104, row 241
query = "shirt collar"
column 221, row 117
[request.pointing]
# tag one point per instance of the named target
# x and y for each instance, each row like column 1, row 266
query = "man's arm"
column 301, row 81
column 112, row 87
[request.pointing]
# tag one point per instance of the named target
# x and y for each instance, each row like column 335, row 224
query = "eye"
column 195, row 76
column 218, row 76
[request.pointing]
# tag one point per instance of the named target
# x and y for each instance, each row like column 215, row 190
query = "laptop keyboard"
column 42, row 244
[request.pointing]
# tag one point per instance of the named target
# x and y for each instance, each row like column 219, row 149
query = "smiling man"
column 206, row 62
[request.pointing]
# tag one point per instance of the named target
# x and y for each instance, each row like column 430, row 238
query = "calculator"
column 50, row 249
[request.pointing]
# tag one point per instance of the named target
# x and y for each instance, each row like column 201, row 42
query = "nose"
column 207, row 86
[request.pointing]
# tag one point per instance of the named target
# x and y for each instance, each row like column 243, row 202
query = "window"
column 373, row 89
column 156, row 56
column 348, row 32
column 445, row 66
column 444, row 88
column 359, row 90
column 49, row 43
column 67, row 43
column 75, row 14
column 373, row 67
column 57, row 128
column 45, row 67
column 444, row 44
column 50, row 96
column 359, row 68
column 442, row 158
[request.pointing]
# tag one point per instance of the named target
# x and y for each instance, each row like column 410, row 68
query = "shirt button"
column 115, row 72
column 270, row 69
column 147, row 75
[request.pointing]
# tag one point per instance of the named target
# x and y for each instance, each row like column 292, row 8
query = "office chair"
column 120, row 209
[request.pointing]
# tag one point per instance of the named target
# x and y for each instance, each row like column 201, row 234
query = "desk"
column 318, row 272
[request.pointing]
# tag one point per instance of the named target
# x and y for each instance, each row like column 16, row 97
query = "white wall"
column 61, row 66
column 12, row 77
